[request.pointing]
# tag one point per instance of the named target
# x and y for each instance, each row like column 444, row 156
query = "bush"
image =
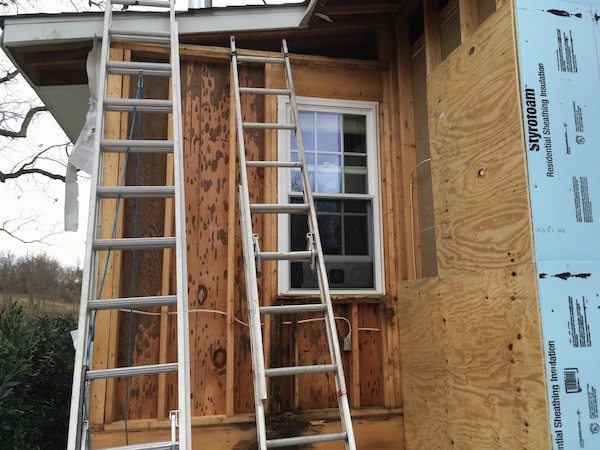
column 36, row 367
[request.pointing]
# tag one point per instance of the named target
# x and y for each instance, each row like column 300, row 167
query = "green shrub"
column 36, row 366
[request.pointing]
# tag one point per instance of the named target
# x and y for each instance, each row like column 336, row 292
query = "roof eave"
column 51, row 29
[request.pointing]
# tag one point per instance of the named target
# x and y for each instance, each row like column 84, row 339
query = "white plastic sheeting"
column 83, row 152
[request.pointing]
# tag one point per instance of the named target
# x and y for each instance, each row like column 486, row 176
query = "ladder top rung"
column 306, row 440
column 275, row 208
column 147, row 243
column 286, row 256
column 264, row 91
column 282, row 164
column 140, row 104
column 300, row 370
column 152, row 3
column 135, row 68
column 137, row 146
column 260, row 59
column 141, row 33
column 268, row 126
column 130, row 371
column 292, row 309
column 136, row 191
column 132, row 302
column 149, row 446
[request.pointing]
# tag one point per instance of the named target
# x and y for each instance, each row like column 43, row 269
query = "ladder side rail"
column 183, row 346
column 334, row 347
column 257, row 351
column 89, row 279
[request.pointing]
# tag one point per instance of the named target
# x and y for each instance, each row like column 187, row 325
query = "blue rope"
column 133, row 268
column 106, row 263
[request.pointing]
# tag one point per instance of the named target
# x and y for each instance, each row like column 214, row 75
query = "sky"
column 33, row 207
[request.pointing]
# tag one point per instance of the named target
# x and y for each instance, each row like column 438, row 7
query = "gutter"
column 38, row 29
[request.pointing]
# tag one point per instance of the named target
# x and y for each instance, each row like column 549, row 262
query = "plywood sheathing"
column 473, row 367
column 206, row 149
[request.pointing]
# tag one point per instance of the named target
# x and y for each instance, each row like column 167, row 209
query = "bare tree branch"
column 9, row 76
column 26, row 121
column 30, row 171
column 12, row 232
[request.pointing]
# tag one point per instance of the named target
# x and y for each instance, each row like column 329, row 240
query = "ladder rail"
column 334, row 346
column 257, row 351
column 183, row 346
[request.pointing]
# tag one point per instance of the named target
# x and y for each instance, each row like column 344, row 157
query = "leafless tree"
column 24, row 163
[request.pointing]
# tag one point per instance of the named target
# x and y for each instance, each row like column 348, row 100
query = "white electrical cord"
column 223, row 313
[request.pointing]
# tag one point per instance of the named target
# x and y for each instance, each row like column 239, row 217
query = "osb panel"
column 481, row 200
column 473, row 362
column 141, row 270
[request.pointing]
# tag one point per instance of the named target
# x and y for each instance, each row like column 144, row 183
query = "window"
column 340, row 141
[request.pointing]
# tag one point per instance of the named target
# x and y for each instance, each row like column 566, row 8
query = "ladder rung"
column 132, row 302
column 264, row 91
column 136, row 191
column 260, row 59
column 150, row 369
column 140, row 39
column 140, row 104
column 152, row 3
column 135, row 67
column 268, row 126
column 266, row 208
column 149, row 446
column 147, row 243
column 136, row 146
column 292, row 309
column 306, row 440
column 282, row 164
column 286, row 256
column 300, row 370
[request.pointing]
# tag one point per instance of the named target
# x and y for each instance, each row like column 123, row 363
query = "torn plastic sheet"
column 83, row 151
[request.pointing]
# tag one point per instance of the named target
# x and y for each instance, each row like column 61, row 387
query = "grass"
column 40, row 305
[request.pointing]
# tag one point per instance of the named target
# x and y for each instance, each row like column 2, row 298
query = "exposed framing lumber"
column 106, row 328
column 500, row 3
column 222, row 54
column 270, row 221
column 391, row 225
column 355, row 386
column 433, row 42
column 469, row 19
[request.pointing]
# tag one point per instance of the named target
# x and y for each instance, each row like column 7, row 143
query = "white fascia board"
column 47, row 29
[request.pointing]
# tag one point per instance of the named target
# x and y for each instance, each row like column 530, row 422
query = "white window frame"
column 352, row 107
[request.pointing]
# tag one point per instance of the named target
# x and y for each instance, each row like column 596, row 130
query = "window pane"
column 307, row 125
column 329, row 179
column 328, row 132
column 342, row 275
column 356, row 206
column 355, row 183
column 356, row 235
column 355, row 134
column 328, row 206
column 330, row 228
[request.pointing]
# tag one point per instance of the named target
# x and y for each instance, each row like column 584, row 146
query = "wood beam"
column 469, row 19
column 433, row 41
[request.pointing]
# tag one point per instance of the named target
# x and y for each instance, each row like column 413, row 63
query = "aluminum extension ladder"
column 314, row 254
column 78, row 437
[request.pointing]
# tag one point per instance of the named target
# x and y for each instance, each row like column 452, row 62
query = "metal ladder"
column 79, row 437
column 253, row 256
